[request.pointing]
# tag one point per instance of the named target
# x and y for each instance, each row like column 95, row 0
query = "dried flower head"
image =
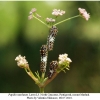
column 58, row 12
column 50, row 20
column 84, row 13
column 21, row 61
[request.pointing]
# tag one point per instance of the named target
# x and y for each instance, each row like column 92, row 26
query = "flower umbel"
column 64, row 61
column 33, row 10
column 64, row 58
column 84, row 13
column 48, row 20
column 21, row 61
column 58, row 12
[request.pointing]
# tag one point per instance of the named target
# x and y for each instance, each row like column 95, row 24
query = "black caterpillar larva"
column 52, row 34
column 52, row 69
column 43, row 53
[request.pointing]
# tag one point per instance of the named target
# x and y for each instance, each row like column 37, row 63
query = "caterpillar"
column 43, row 53
column 50, row 40
column 52, row 69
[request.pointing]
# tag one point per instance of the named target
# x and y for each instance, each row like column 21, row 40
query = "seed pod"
column 43, row 53
column 50, row 40
column 52, row 69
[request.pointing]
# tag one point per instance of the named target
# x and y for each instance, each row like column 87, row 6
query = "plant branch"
column 40, row 21
column 66, row 20
column 47, row 81
column 41, row 89
column 29, row 72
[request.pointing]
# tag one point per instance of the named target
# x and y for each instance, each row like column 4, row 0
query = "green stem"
column 66, row 20
column 43, row 75
column 40, row 21
column 41, row 89
column 29, row 72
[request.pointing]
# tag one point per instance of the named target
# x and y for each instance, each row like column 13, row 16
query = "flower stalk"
column 40, row 21
column 29, row 72
column 66, row 20
column 41, row 89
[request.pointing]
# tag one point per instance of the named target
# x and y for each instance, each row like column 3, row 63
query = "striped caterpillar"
column 52, row 34
column 43, row 53
column 52, row 69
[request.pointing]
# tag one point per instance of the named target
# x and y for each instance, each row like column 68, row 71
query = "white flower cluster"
column 63, row 59
column 84, row 13
column 50, row 20
column 21, row 61
column 58, row 12
column 31, row 12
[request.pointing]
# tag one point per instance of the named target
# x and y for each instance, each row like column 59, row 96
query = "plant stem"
column 29, row 72
column 43, row 74
column 40, row 21
column 49, row 80
column 66, row 20
column 41, row 89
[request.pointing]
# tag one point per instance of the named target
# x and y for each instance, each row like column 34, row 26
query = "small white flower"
column 63, row 12
column 30, row 17
column 30, row 12
column 84, row 13
column 33, row 10
column 55, row 12
column 53, row 20
column 58, row 12
column 64, row 59
column 47, row 19
column 50, row 20
column 63, row 56
column 21, row 61
column 68, row 59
